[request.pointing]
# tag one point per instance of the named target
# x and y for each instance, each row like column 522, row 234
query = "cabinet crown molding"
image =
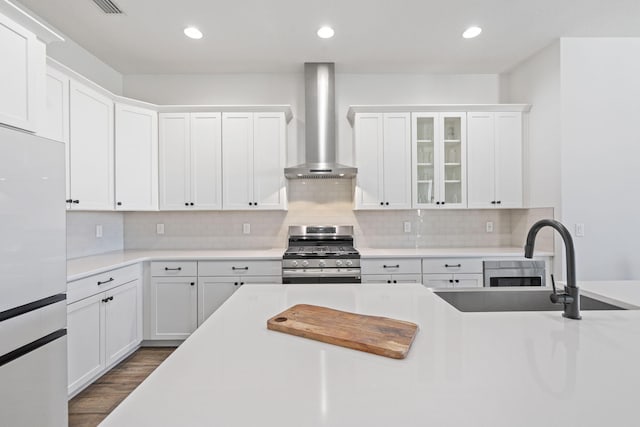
column 434, row 108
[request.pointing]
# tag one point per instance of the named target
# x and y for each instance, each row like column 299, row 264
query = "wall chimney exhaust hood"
column 320, row 127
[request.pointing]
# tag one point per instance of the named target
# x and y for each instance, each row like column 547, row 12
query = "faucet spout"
column 572, row 308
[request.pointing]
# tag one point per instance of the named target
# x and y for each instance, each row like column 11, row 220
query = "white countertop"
column 447, row 252
column 464, row 369
column 79, row 268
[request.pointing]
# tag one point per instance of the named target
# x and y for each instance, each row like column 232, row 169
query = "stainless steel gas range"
column 321, row 254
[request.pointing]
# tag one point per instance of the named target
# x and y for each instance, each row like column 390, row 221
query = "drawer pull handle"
column 240, row 268
column 172, row 269
column 453, row 265
column 391, row 266
column 106, row 281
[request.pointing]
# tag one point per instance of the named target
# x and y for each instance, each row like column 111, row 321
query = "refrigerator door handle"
column 28, row 348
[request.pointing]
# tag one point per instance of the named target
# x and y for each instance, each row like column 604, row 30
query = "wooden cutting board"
column 373, row 334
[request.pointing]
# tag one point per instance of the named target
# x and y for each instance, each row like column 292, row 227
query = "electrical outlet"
column 246, row 228
column 580, row 230
column 159, row 228
column 489, row 226
column 98, row 230
column 407, row 227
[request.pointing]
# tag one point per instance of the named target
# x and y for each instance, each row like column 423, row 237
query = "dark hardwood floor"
column 94, row 403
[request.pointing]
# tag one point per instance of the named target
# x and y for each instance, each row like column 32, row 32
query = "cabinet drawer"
column 391, row 266
column 92, row 285
column 452, row 265
column 388, row 278
column 240, row 267
column 174, row 268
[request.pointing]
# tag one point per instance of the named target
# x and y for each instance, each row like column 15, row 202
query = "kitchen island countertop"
column 464, row 369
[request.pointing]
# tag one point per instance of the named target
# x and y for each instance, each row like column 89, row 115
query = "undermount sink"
column 490, row 300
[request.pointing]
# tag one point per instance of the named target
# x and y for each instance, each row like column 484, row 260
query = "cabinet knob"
column 387, row 203
column 493, row 202
column 255, row 203
column 76, row 201
column 69, row 201
column 381, row 203
column 437, row 203
column 388, row 281
column 241, row 283
column 119, row 203
column 235, row 283
column 457, row 281
column 442, row 203
column 250, row 203
column 192, row 283
column 450, row 280
column 499, row 201
column 191, row 203
column 395, row 281
column 186, row 203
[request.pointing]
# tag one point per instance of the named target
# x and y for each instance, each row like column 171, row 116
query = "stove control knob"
column 294, row 263
column 322, row 264
column 339, row 263
column 305, row 263
column 349, row 263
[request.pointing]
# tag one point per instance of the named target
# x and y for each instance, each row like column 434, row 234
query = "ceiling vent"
column 108, row 6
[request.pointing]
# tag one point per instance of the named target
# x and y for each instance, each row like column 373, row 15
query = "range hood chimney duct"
column 320, row 126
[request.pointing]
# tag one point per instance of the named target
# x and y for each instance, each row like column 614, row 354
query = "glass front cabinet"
column 439, row 160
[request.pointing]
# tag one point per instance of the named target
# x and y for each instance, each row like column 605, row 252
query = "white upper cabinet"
column 22, row 75
column 383, row 159
column 190, row 161
column 439, row 160
column 254, row 157
column 136, row 158
column 91, row 149
column 494, row 160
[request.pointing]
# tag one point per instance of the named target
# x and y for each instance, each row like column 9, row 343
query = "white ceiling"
column 371, row 35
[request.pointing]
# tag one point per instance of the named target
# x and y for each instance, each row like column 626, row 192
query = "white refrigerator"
column 33, row 342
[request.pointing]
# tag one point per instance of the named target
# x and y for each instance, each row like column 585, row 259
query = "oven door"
column 313, row 276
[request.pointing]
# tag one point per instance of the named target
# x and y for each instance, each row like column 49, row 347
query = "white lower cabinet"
column 174, row 300
column 452, row 280
column 102, row 328
column 185, row 293
column 452, row 273
column 391, row 278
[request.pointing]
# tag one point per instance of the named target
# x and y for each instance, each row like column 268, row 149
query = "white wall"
column 600, row 94
column 536, row 81
column 351, row 89
column 79, row 59
column 81, row 233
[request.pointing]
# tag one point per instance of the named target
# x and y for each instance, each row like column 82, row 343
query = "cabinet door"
column 85, row 350
column 508, row 163
column 136, row 158
column 123, row 321
column 437, row 280
column 206, row 161
column 453, row 156
column 237, row 161
column 212, row 293
column 425, row 154
column 481, row 160
column 53, row 123
column 468, row 280
column 21, row 85
column 173, row 307
column 396, row 159
column 269, row 159
column 174, row 161
column 376, row 279
column 369, row 151
column 91, row 149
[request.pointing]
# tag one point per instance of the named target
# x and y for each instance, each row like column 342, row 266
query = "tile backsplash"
column 317, row 201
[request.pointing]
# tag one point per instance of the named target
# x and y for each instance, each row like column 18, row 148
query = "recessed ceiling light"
column 471, row 32
column 193, row 33
column 325, row 32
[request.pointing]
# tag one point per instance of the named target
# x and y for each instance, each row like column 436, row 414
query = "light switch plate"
column 246, row 228
column 407, row 227
column 98, row 230
column 160, row 228
column 580, row 230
